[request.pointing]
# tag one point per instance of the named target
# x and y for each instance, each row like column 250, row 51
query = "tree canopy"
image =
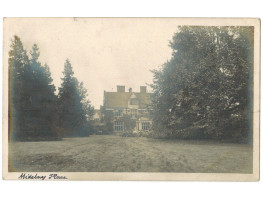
column 35, row 111
column 73, row 105
column 32, row 106
column 205, row 89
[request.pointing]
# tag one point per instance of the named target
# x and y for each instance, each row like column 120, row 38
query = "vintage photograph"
column 131, row 99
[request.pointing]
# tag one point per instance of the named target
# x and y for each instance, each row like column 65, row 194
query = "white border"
column 130, row 190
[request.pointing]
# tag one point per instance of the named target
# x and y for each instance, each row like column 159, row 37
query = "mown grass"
column 111, row 153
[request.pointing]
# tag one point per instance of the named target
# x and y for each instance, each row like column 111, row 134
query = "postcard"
column 131, row 99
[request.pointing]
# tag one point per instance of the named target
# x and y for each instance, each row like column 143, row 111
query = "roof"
column 120, row 99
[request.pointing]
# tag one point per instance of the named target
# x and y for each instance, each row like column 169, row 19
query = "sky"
column 104, row 52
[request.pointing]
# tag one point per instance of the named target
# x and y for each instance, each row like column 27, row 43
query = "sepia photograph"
column 131, row 99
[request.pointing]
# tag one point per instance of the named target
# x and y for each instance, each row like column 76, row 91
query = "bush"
column 146, row 133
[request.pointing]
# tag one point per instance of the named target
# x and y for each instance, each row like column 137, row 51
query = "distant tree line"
column 206, row 89
column 35, row 111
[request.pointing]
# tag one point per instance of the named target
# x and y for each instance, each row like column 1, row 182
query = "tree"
column 32, row 107
column 74, row 109
column 206, row 86
column 129, row 123
column 108, row 117
column 43, row 99
column 18, row 63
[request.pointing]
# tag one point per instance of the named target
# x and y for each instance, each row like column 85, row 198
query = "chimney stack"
column 120, row 88
column 143, row 89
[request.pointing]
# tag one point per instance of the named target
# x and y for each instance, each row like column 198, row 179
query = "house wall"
column 142, row 116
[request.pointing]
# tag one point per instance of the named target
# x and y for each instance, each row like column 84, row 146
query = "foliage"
column 73, row 107
column 144, row 133
column 35, row 112
column 43, row 98
column 18, row 63
column 129, row 123
column 207, row 84
column 107, row 119
column 32, row 107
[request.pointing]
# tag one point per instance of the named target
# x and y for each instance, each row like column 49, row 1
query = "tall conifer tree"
column 18, row 95
column 32, row 102
column 43, row 98
column 74, row 108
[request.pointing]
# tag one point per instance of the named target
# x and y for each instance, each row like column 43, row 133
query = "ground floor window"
column 145, row 125
column 118, row 126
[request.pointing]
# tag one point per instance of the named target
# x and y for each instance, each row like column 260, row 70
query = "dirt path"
column 117, row 154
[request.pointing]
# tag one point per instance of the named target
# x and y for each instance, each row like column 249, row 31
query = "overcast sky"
column 104, row 52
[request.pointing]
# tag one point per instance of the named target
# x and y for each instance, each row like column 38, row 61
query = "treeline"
column 35, row 111
column 206, row 89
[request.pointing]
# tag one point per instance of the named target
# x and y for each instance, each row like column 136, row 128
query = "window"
column 118, row 126
column 145, row 125
column 133, row 113
column 117, row 113
column 134, row 102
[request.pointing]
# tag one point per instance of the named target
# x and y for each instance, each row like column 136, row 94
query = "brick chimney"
column 143, row 89
column 120, row 88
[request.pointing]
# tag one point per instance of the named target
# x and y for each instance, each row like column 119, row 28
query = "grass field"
column 109, row 153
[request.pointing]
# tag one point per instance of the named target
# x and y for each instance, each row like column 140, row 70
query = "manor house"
column 137, row 105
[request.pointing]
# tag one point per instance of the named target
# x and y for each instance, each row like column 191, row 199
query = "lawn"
column 110, row 153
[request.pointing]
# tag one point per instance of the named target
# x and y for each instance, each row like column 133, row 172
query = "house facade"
column 134, row 105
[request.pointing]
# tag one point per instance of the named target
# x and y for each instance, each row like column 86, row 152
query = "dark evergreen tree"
column 43, row 99
column 32, row 102
column 74, row 108
column 18, row 97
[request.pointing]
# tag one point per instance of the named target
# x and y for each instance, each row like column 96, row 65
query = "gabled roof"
column 120, row 99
